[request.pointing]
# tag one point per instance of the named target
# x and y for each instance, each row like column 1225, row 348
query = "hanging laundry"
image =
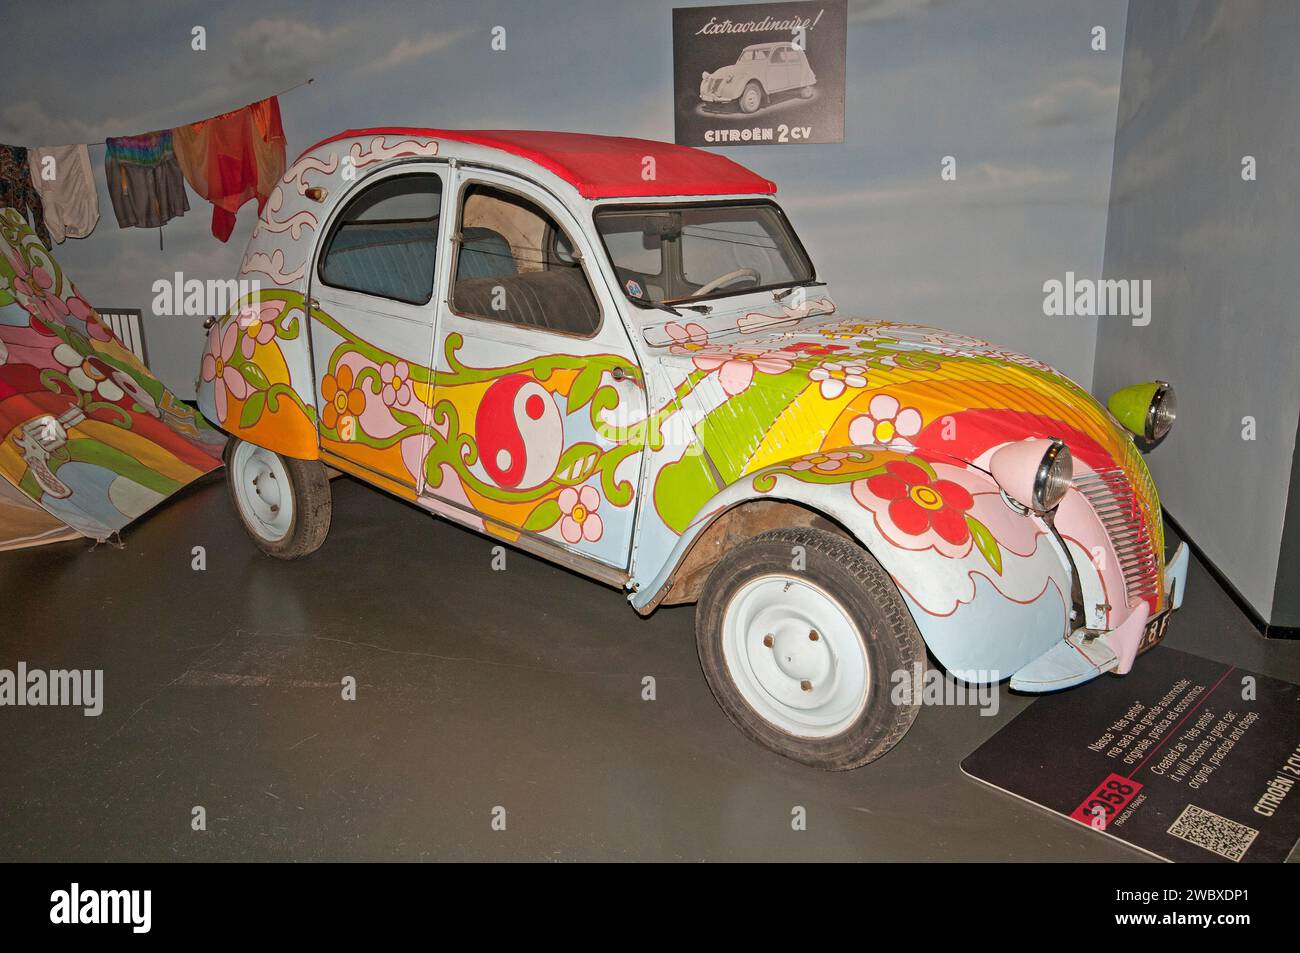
column 144, row 180
column 232, row 158
column 17, row 191
column 61, row 176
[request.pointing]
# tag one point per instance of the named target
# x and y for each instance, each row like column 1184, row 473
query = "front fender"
column 988, row 586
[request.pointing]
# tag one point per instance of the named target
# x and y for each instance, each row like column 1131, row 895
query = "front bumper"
column 1079, row 658
column 720, row 97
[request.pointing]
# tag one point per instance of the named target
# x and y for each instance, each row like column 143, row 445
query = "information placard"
column 1187, row 759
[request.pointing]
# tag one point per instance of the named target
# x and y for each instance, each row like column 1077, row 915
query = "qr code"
column 1206, row 829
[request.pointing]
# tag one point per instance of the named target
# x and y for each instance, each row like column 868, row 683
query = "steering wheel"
column 727, row 279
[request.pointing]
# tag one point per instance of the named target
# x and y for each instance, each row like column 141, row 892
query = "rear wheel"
column 284, row 503
column 802, row 660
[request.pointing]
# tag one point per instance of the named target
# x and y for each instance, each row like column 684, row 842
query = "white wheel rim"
column 751, row 100
column 796, row 656
column 263, row 491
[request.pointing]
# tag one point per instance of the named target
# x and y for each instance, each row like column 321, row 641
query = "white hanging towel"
column 67, row 189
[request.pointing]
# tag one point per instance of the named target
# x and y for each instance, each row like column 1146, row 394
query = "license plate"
column 1155, row 632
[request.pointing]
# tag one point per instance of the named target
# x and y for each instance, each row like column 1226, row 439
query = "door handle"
column 621, row 374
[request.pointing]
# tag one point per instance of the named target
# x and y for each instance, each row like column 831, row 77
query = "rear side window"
column 517, row 265
column 386, row 241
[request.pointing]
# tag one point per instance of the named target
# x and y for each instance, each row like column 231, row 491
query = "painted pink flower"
column 834, row 378
column 580, row 520
column 397, row 382
column 80, row 310
column 258, row 321
column 886, row 423
column 736, row 369
column 216, row 367
column 822, row 462
column 687, row 338
column 35, row 290
column 916, row 511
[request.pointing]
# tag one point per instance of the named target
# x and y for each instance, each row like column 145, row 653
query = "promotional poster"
column 759, row 73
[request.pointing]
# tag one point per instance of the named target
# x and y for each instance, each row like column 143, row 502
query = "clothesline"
column 228, row 159
column 99, row 142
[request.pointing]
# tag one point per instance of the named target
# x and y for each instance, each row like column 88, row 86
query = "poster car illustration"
column 645, row 381
column 763, row 70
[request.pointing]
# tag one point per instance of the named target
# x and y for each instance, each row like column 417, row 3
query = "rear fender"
column 254, row 370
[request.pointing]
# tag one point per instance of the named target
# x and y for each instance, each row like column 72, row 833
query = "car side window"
column 385, row 241
column 515, row 264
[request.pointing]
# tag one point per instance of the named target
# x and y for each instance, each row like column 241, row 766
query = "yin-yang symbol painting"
column 520, row 433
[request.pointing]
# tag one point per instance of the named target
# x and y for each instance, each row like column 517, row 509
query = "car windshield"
column 675, row 253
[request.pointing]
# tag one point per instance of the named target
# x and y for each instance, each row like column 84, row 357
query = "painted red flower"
column 919, row 503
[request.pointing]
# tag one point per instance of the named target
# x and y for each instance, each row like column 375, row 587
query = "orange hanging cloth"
column 232, row 158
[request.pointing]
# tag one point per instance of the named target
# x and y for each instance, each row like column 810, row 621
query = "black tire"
column 740, row 101
column 309, row 486
column 889, row 636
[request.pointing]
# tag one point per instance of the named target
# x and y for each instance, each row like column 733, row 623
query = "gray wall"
column 1204, row 84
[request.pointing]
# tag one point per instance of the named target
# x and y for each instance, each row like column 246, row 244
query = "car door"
column 537, row 390
column 372, row 323
column 781, row 69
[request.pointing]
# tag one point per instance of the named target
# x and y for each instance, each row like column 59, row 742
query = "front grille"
column 1129, row 526
column 715, row 85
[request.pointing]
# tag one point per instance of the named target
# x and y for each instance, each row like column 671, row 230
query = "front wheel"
column 800, row 633
column 751, row 98
column 284, row 503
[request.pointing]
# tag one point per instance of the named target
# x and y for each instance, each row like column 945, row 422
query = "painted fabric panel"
column 86, row 432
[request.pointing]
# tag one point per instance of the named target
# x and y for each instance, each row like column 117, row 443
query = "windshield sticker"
column 634, row 288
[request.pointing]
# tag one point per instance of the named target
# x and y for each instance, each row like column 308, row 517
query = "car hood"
column 722, row 72
column 767, row 381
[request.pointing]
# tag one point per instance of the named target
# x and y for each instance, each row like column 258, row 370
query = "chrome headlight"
column 1055, row 472
column 1162, row 411
column 1035, row 473
column 1147, row 410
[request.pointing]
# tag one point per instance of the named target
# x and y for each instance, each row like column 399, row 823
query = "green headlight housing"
column 1147, row 410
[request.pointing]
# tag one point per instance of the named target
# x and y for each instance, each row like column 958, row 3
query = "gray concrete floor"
column 477, row 689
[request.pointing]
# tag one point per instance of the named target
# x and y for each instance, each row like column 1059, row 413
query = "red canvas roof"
column 603, row 166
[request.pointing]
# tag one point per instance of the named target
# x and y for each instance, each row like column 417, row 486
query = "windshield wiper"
column 786, row 292
column 654, row 306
